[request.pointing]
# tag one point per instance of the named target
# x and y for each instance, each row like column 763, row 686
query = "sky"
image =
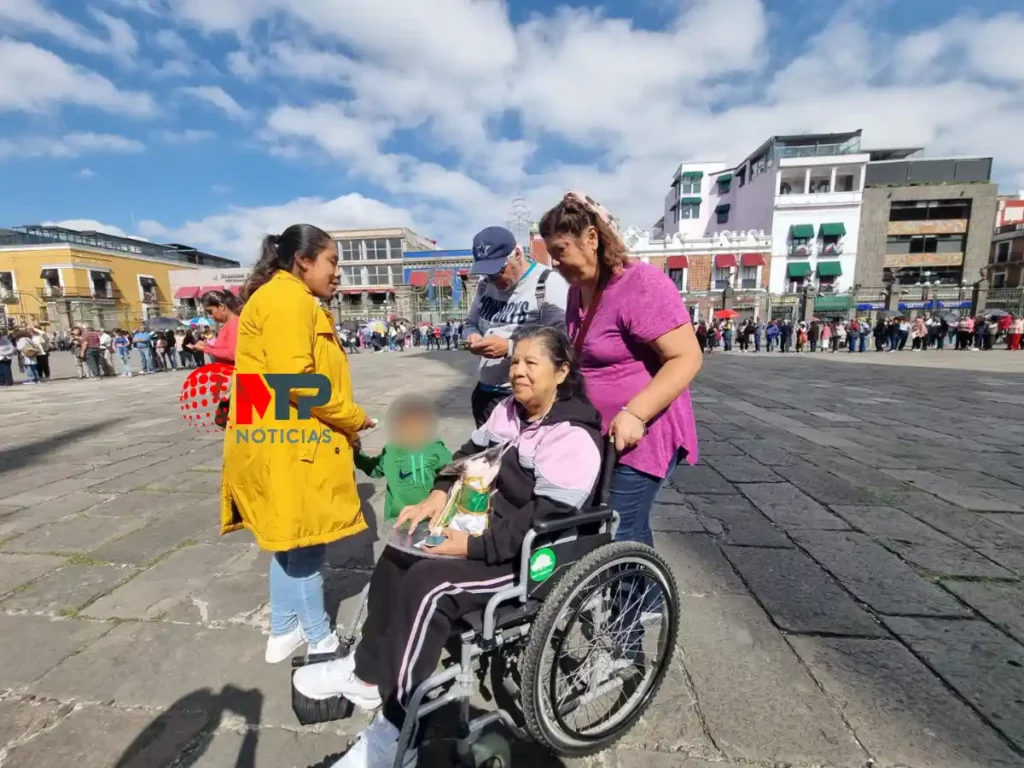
column 213, row 123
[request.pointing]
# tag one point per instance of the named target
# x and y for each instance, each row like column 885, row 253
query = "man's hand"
column 473, row 339
column 493, row 347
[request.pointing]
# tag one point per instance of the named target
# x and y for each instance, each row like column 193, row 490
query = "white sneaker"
column 602, row 667
column 376, row 748
column 281, row 647
column 336, row 678
column 328, row 645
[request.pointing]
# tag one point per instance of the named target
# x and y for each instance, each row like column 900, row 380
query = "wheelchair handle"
column 604, row 484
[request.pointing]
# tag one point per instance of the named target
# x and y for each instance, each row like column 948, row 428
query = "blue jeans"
column 31, row 371
column 297, row 593
column 126, row 362
column 146, row 353
column 632, row 495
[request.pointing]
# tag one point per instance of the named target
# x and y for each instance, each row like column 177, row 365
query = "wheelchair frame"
column 474, row 644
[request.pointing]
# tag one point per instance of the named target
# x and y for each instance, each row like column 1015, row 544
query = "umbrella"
column 996, row 313
column 201, row 321
column 163, row 323
column 726, row 314
column 378, row 327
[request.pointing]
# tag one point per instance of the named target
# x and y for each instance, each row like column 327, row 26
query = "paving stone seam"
column 62, row 713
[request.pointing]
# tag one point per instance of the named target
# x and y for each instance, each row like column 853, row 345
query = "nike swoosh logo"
column 404, row 475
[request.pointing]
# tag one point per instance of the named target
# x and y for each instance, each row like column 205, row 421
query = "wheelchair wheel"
column 491, row 750
column 599, row 649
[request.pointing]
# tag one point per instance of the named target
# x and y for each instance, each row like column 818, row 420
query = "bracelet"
column 642, row 422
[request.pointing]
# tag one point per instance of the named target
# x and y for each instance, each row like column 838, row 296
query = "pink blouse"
column 222, row 348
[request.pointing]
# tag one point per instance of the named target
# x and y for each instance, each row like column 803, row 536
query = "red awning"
column 678, row 262
column 349, row 290
column 419, row 278
column 443, row 279
column 725, row 260
column 187, row 292
column 208, row 288
column 463, row 273
column 235, row 289
column 752, row 259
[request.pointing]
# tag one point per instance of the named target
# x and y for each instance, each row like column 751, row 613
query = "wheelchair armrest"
column 556, row 523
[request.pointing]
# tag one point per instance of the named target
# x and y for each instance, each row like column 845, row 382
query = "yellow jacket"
column 290, row 490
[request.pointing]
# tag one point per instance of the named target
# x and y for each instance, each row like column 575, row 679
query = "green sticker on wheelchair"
column 542, row 564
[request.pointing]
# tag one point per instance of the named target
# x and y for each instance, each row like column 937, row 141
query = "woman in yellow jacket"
column 291, row 481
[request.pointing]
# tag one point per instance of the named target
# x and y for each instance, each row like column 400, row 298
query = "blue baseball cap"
column 491, row 250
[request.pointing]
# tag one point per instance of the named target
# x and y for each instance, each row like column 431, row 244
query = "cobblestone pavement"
column 850, row 554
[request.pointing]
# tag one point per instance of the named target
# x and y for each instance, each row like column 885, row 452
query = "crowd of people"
column 99, row 353
column 399, row 335
column 886, row 334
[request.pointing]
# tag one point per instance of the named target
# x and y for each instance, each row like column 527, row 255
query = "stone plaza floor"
column 850, row 553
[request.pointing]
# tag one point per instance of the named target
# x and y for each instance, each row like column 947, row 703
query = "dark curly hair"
column 572, row 217
column 560, row 352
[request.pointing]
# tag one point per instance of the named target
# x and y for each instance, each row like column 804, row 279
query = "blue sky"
column 214, row 122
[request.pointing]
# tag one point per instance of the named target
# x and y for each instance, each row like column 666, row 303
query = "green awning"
column 831, row 303
column 802, row 230
column 724, row 177
column 691, row 201
column 833, row 230
column 829, row 269
column 693, row 174
column 798, row 269
column 723, row 208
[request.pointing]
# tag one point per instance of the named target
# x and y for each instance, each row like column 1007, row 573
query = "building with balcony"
column 926, row 221
column 805, row 191
column 61, row 278
column 189, row 285
column 1009, row 210
column 710, row 271
column 1006, row 257
column 687, row 208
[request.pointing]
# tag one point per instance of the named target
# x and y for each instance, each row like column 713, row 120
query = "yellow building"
column 60, row 278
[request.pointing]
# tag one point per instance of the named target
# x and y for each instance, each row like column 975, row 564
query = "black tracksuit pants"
column 410, row 609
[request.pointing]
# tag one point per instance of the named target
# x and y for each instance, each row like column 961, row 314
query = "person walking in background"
column 29, row 352
column 7, row 353
column 91, row 344
column 1014, row 332
column 758, row 333
column 514, row 291
column 771, row 335
column 123, row 347
column 297, row 497
column 41, row 340
column 223, row 307
column 637, row 350
column 142, row 340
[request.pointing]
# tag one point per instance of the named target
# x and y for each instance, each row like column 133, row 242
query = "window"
column 6, row 284
column 796, row 284
column 349, row 250
column 1003, row 252
column 677, row 276
column 722, row 214
column 998, row 279
column 929, row 210
column 801, row 245
column 748, row 277
column 689, row 211
column 724, row 185
column 844, row 183
column 376, row 250
column 826, row 283
column 691, row 185
column 395, row 248
column 830, row 244
column 741, row 174
column 101, row 287
column 721, row 278
column 396, row 274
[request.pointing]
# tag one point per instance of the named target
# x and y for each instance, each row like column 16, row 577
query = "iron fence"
column 1007, row 299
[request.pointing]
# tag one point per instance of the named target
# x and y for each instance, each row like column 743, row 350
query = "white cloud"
column 35, row 80
column 70, row 145
column 86, row 173
column 187, row 136
column 88, row 225
column 218, row 97
column 32, row 16
column 238, row 232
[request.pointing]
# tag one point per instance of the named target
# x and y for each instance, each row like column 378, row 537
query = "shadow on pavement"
column 35, row 452
column 156, row 743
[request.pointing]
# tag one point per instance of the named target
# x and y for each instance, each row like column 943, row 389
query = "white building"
column 188, row 286
column 805, row 191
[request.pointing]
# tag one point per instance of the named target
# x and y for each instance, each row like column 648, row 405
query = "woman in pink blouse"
column 223, row 307
column 637, row 349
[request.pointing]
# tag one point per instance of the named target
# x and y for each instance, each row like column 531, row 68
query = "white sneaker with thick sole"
column 328, row 645
column 336, row 678
column 376, row 748
column 281, row 647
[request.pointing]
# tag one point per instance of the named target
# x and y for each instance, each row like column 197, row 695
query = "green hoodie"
column 409, row 474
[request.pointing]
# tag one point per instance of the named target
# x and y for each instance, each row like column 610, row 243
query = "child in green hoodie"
column 411, row 459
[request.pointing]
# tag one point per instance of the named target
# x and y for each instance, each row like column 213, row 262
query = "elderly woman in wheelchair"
column 541, row 580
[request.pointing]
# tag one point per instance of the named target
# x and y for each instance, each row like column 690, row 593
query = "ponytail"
column 279, row 252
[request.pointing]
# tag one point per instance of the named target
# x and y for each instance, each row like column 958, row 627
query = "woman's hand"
column 456, row 544
column 429, row 508
column 626, row 430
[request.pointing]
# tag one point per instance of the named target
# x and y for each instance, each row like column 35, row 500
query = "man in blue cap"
column 513, row 291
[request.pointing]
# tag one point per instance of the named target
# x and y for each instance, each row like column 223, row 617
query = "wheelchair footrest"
column 312, row 711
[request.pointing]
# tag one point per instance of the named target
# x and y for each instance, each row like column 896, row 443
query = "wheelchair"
column 588, row 620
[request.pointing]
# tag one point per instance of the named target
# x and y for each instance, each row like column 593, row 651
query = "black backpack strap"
column 541, row 290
